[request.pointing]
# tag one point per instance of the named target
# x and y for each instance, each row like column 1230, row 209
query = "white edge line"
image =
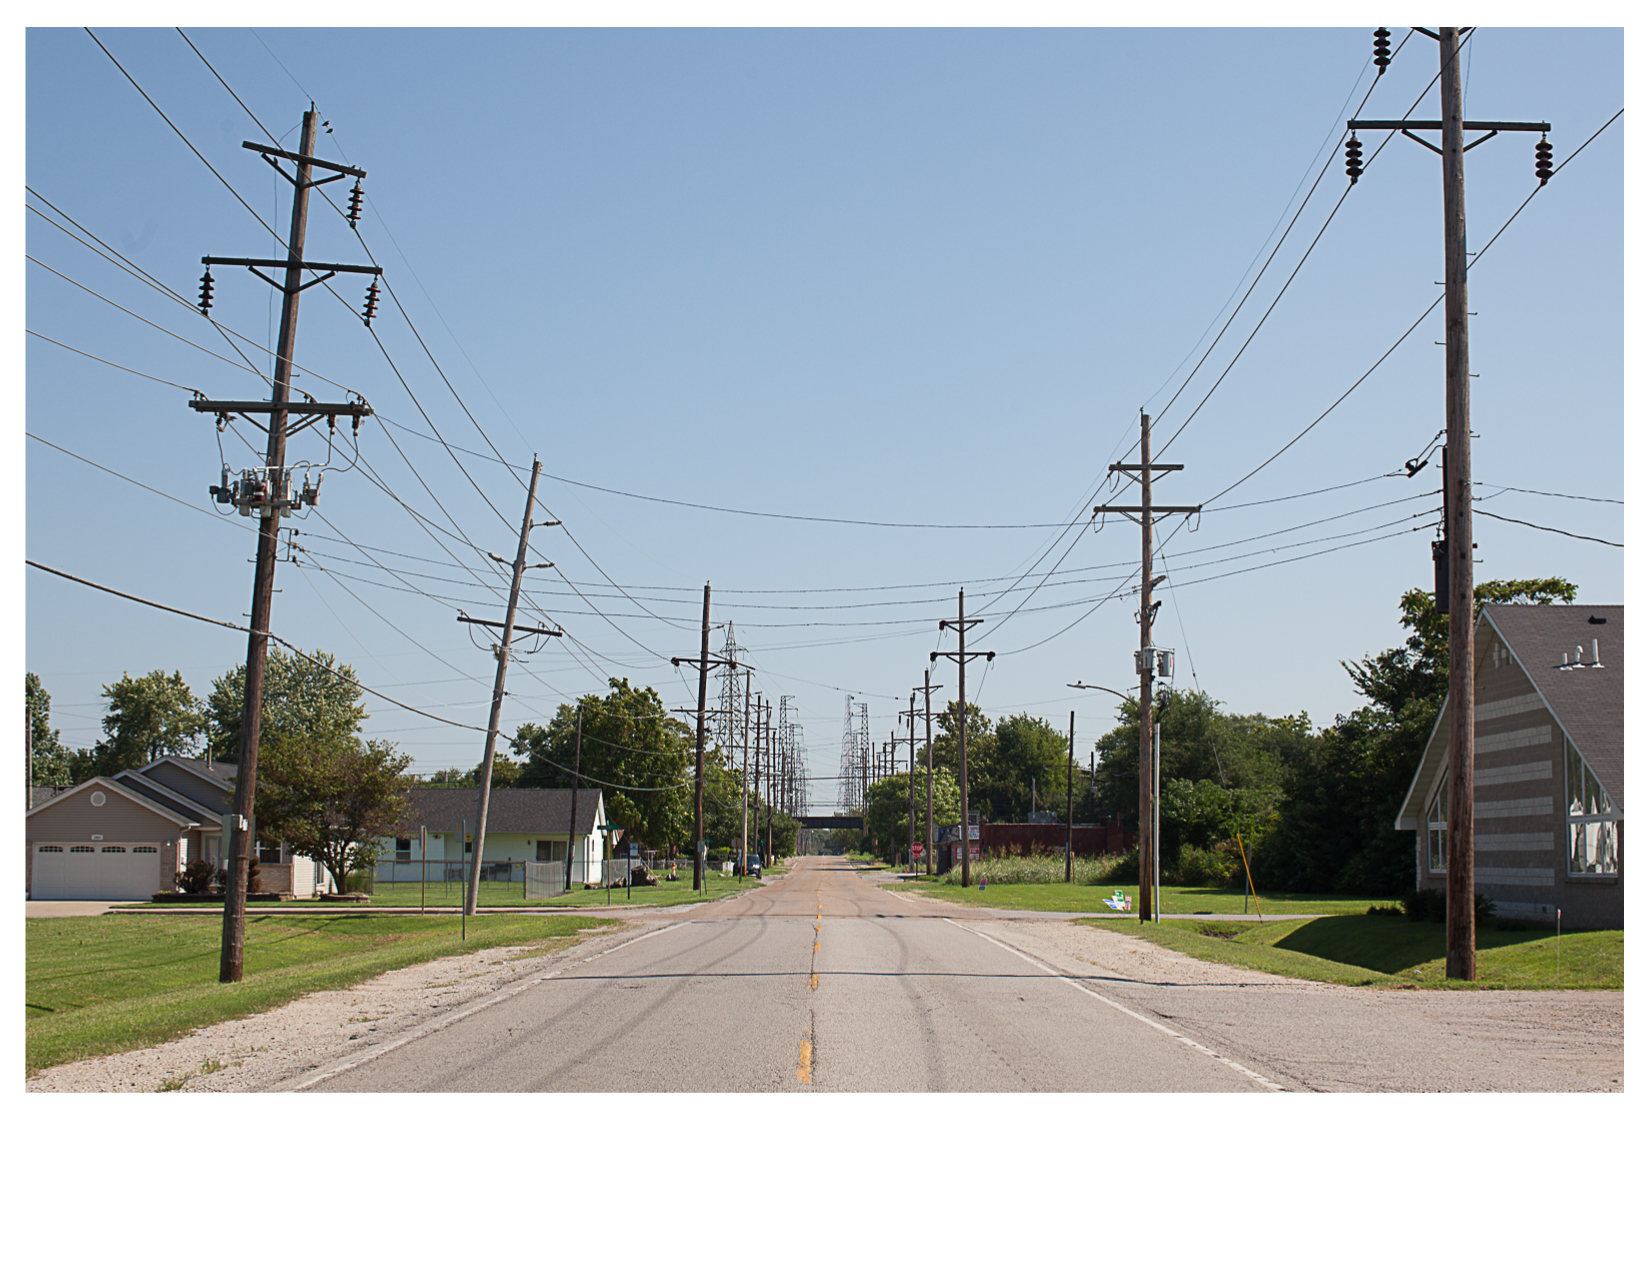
column 441, row 1024
column 1123, row 1009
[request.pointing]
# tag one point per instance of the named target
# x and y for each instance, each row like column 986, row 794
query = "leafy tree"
column 329, row 798
column 148, row 716
column 1030, row 757
column 1335, row 826
column 48, row 756
column 1419, row 669
column 453, row 777
column 315, row 697
column 982, row 756
column 888, row 823
column 628, row 739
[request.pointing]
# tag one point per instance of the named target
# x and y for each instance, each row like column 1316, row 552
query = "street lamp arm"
column 1086, row 686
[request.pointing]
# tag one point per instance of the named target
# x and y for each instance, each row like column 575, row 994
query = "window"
column 48, row 849
column 1594, row 823
column 82, row 849
column 145, row 849
column 403, row 849
column 551, row 851
column 113, row 849
column 212, row 849
column 1438, row 828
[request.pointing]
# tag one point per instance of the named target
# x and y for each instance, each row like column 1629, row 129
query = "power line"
column 158, row 379
column 241, row 628
column 1485, row 513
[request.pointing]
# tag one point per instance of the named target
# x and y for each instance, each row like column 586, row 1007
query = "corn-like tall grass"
column 1037, row 870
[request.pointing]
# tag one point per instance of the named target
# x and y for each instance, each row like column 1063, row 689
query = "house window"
column 113, row 849
column 212, row 849
column 145, row 849
column 1438, row 828
column 403, row 849
column 48, row 849
column 551, row 851
column 1594, row 822
column 82, row 849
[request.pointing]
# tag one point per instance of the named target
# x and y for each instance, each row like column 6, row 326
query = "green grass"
column 1176, row 900
column 1386, row 951
column 107, row 984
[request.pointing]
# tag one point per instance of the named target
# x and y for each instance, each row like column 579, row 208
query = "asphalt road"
column 820, row 981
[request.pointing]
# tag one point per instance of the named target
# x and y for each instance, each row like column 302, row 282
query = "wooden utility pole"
column 704, row 663
column 269, row 496
column 573, row 808
column 699, row 751
column 962, row 624
column 486, row 787
column 767, row 857
column 928, row 725
column 745, row 778
column 1460, row 928
column 911, row 785
column 1071, row 757
column 1145, row 659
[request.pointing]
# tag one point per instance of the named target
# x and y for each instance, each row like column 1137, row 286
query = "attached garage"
column 102, row 841
column 96, row 871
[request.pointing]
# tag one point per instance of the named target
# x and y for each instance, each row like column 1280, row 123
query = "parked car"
column 753, row 865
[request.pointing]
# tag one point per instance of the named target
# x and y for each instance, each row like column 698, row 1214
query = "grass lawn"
column 1176, row 900
column 503, row 894
column 107, row 984
column 1388, row 951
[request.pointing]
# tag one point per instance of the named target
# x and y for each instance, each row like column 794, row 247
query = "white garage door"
column 96, row 871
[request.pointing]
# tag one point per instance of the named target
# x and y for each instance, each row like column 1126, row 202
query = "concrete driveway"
column 34, row 910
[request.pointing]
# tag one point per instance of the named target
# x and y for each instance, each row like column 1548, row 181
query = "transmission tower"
column 862, row 749
column 728, row 730
column 850, row 788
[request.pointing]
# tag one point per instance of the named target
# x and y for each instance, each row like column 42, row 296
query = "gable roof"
column 119, row 790
column 1589, row 702
column 176, row 801
column 544, row 811
column 221, row 773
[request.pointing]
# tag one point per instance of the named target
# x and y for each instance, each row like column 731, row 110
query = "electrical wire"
column 108, row 363
column 1485, row 513
column 241, row 628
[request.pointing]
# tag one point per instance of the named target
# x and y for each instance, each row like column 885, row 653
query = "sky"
column 834, row 283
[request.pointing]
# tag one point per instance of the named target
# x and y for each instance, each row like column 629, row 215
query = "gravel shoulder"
column 275, row 1049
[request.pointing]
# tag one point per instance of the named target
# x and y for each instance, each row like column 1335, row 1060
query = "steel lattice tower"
column 728, row 727
column 850, row 786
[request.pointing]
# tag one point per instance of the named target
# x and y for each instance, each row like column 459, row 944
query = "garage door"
column 96, row 871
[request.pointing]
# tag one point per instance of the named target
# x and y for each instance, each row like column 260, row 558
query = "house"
column 1548, row 775
column 126, row 836
column 523, row 825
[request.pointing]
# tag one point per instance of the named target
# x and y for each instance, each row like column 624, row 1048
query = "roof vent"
column 1598, row 619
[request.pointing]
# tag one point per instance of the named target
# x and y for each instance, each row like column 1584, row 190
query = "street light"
column 1157, row 795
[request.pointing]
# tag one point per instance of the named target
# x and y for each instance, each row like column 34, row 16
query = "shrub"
column 1217, row 865
column 195, row 877
column 1385, row 909
column 1432, row 905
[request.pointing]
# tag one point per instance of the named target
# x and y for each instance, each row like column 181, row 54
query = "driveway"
column 35, row 910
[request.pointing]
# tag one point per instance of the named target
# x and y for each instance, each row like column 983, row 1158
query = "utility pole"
column 1148, row 661
column 1071, row 757
column 573, row 809
column 911, row 786
column 756, row 786
column 474, row 890
column 962, row 624
column 703, row 663
column 767, row 857
column 268, row 492
column 1460, row 929
column 745, row 778
column 928, row 725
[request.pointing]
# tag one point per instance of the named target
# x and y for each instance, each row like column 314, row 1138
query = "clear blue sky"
column 895, row 276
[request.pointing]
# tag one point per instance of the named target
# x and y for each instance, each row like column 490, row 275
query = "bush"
column 1218, row 866
column 1432, row 905
column 1385, row 909
column 254, row 882
column 195, row 877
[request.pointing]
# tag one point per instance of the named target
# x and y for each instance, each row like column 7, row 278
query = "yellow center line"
column 805, row 1062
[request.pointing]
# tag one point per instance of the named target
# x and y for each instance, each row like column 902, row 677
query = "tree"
column 890, row 806
column 48, row 758
column 982, row 757
column 1335, row 828
column 1030, row 758
column 148, row 716
column 329, row 798
column 632, row 750
column 313, row 696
